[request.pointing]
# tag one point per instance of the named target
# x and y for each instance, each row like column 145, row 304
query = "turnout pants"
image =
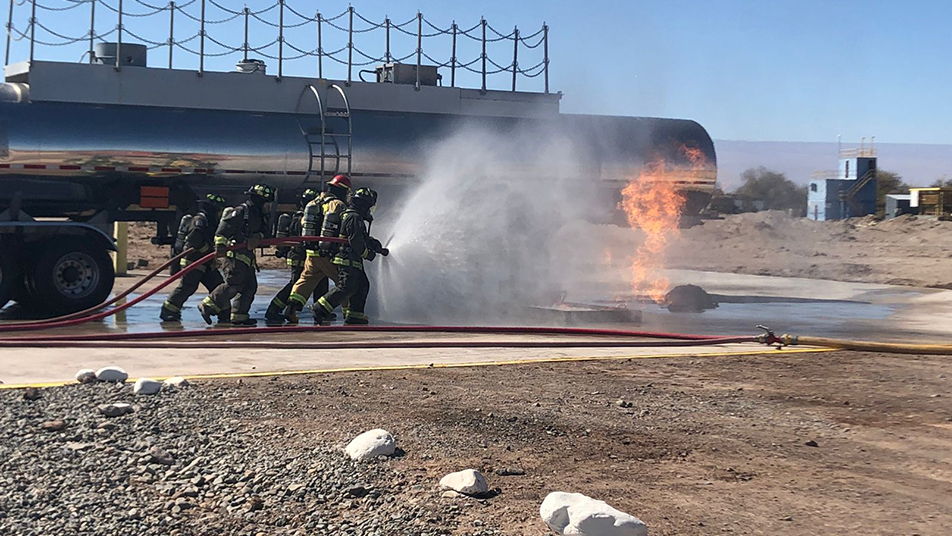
column 240, row 285
column 206, row 274
column 353, row 286
column 280, row 300
column 317, row 270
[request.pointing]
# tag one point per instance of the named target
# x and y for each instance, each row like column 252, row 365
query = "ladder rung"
column 337, row 113
column 337, row 135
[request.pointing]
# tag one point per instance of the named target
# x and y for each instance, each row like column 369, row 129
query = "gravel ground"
column 196, row 461
column 780, row 444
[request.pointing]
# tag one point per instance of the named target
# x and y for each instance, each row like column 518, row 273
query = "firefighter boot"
column 168, row 314
column 224, row 317
column 243, row 320
column 207, row 312
column 354, row 318
column 274, row 315
column 291, row 311
column 320, row 314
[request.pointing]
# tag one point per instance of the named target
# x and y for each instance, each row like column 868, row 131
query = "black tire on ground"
column 71, row 274
column 8, row 279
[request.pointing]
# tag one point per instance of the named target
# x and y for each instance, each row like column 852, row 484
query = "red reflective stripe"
column 34, row 166
column 144, row 169
column 171, row 170
column 104, row 168
column 234, row 171
column 5, row 166
column 73, row 168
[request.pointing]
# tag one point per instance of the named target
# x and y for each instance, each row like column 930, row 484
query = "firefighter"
column 353, row 282
column 179, row 245
column 244, row 224
column 296, row 255
column 198, row 234
column 322, row 217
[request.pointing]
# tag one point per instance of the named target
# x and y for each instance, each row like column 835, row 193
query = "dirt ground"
column 908, row 250
column 825, row 443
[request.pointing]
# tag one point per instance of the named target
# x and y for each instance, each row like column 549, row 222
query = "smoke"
column 497, row 223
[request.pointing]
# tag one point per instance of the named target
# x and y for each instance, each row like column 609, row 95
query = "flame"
column 653, row 204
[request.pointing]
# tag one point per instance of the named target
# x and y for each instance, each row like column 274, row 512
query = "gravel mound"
column 194, row 461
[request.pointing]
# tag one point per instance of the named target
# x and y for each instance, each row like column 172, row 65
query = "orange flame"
column 653, row 203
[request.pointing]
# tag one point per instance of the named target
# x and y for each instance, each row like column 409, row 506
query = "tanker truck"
column 85, row 145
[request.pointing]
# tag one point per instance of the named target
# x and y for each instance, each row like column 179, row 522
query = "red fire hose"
column 148, row 339
column 75, row 319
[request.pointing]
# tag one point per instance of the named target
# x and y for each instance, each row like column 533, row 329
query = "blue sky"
column 787, row 70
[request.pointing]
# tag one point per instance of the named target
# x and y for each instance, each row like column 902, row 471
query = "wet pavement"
column 788, row 305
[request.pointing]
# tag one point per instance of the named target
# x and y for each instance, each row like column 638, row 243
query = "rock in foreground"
column 111, row 374
column 371, row 444
column 467, row 482
column 86, row 375
column 574, row 514
column 147, row 386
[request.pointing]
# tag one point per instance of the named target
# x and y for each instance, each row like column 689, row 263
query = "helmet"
column 262, row 192
column 364, row 200
column 342, row 181
column 309, row 195
column 214, row 200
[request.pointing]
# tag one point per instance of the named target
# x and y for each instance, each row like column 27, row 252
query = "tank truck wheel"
column 71, row 275
column 8, row 279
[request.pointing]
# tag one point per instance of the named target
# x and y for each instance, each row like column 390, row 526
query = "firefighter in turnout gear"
column 322, row 217
column 353, row 283
column 244, row 224
column 290, row 225
column 198, row 234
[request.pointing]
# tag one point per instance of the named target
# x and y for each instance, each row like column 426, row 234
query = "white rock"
column 176, row 382
column 574, row 514
column 147, row 386
column 111, row 374
column 116, row 409
column 86, row 375
column 468, row 482
column 371, row 444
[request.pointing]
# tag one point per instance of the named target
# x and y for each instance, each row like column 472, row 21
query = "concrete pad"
column 22, row 366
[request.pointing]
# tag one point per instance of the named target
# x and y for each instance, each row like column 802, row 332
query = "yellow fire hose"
column 859, row 346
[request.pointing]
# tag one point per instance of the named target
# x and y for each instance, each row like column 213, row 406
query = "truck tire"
column 71, row 274
column 8, row 279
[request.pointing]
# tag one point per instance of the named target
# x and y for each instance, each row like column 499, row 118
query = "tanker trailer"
column 88, row 145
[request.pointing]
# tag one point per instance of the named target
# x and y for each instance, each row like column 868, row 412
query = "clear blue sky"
column 787, row 70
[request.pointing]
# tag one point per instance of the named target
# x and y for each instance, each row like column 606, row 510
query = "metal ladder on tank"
column 319, row 138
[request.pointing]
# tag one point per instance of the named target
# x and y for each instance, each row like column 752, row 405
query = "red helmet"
column 342, row 181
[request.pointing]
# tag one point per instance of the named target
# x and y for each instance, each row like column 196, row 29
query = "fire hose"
column 79, row 318
column 855, row 345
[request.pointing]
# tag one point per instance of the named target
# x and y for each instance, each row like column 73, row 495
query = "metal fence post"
column 280, row 40
column 247, row 12
column 515, row 56
column 201, row 44
column 545, row 58
column 119, row 40
column 6, row 60
column 483, row 23
column 171, row 30
column 419, row 47
column 320, row 51
column 33, row 30
column 453, row 58
column 92, row 32
column 350, row 45
column 386, row 23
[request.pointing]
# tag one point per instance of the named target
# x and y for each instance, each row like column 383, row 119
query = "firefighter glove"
column 384, row 251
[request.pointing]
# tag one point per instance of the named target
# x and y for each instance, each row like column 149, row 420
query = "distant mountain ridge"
column 918, row 164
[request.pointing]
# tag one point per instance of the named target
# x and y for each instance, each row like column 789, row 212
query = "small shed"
column 931, row 201
column 897, row 205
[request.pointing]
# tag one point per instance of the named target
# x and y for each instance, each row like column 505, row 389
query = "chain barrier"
column 482, row 32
